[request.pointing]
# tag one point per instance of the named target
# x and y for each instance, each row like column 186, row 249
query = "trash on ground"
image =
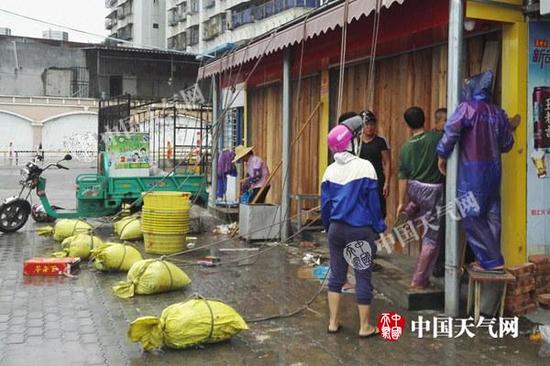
column 311, row 259
column 320, row 272
column 115, row 257
column 305, row 273
column 79, row 245
column 226, row 229
column 151, row 276
column 545, row 348
column 309, row 245
column 51, row 266
column 129, row 228
column 196, row 321
column 65, row 228
column 208, row 261
column 238, row 249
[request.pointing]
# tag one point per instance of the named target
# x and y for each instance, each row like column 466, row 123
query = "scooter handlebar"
column 62, row 167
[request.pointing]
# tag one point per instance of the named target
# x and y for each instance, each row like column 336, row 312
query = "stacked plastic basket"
column 165, row 223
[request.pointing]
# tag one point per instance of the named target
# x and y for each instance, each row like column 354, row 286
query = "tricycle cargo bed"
column 132, row 187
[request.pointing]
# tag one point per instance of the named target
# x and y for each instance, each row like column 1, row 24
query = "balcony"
column 110, row 3
column 110, row 23
column 172, row 18
column 273, row 7
column 178, row 42
column 126, row 32
column 207, row 4
column 123, row 12
column 233, row 3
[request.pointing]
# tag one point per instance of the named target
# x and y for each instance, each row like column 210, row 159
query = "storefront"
column 410, row 69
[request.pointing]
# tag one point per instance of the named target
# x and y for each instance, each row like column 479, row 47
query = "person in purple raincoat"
column 483, row 132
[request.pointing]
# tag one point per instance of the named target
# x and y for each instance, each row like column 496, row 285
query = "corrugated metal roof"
column 309, row 26
column 140, row 50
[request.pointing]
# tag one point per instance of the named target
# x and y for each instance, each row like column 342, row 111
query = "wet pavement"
column 78, row 321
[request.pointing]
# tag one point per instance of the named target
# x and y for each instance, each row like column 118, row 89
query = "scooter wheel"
column 14, row 215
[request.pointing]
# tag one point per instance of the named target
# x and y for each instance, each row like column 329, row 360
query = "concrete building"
column 57, row 35
column 50, row 89
column 42, row 67
column 210, row 26
column 142, row 73
column 142, row 22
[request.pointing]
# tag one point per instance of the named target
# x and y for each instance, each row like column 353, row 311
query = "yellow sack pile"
column 151, row 276
column 129, row 228
column 115, row 257
column 186, row 324
column 79, row 245
column 65, row 228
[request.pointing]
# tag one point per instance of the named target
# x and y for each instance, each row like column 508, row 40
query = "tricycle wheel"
column 14, row 215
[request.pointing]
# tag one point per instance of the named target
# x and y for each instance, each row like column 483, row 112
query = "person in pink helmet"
column 351, row 214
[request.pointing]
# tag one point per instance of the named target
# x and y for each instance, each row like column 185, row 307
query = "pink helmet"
column 339, row 138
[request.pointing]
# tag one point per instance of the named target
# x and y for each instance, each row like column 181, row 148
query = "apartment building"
column 210, row 26
column 142, row 22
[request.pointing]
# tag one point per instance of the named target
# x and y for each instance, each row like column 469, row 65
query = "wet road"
column 78, row 321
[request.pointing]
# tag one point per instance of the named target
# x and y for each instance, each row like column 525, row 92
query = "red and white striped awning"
column 314, row 25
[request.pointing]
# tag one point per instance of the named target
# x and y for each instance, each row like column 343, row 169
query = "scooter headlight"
column 24, row 172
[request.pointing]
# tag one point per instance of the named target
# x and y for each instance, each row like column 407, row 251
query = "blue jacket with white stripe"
column 349, row 193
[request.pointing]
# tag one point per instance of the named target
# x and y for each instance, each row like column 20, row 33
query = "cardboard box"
column 51, row 266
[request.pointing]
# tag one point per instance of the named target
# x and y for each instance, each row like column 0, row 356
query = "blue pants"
column 339, row 236
column 483, row 235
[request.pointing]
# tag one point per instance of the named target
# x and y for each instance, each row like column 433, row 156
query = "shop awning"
column 314, row 24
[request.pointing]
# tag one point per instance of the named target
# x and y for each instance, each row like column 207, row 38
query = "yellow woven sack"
column 196, row 321
column 115, row 257
column 151, row 276
column 65, row 228
column 129, row 228
column 78, row 246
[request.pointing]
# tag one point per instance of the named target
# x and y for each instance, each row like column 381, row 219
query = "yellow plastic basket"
column 166, row 200
column 163, row 243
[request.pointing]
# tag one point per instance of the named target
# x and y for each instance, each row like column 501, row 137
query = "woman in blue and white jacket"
column 350, row 209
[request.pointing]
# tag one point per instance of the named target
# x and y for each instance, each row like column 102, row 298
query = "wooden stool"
column 475, row 280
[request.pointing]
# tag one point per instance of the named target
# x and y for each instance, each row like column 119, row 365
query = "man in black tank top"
column 376, row 149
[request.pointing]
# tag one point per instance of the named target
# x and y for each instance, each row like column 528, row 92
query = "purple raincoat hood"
column 478, row 87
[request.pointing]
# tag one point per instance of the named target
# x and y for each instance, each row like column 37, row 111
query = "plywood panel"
column 265, row 121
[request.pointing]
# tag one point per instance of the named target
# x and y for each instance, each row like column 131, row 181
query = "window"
column 156, row 25
column 115, row 85
column 193, row 35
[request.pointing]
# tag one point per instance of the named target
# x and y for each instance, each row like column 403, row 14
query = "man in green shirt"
column 421, row 193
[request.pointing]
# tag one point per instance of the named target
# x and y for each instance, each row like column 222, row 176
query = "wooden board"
column 265, row 108
column 416, row 78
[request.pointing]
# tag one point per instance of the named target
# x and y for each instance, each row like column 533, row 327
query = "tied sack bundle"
column 65, row 228
column 151, row 276
column 196, row 321
column 79, row 245
column 115, row 257
column 129, row 228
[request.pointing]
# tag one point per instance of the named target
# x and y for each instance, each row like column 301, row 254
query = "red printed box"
column 51, row 266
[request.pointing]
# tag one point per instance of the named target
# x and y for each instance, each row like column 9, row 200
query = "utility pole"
column 454, row 83
column 285, row 197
